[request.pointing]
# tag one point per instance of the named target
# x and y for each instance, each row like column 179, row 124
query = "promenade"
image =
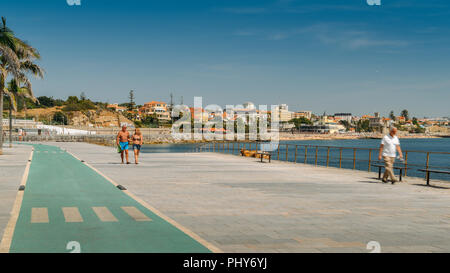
column 215, row 202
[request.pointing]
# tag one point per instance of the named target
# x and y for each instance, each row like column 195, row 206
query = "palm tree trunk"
column 1, row 120
column 10, row 124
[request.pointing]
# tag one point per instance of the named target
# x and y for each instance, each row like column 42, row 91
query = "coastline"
column 164, row 137
column 286, row 137
column 296, row 137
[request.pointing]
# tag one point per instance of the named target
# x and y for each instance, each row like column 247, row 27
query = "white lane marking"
column 39, row 215
column 72, row 215
column 104, row 214
column 136, row 214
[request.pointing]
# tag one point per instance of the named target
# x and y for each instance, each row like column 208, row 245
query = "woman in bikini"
column 137, row 143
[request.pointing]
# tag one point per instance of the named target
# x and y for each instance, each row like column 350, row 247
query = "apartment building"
column 157, row 108
column 283, row 113
column 302, row 114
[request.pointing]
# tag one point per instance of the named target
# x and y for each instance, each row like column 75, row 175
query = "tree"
column 15, row 92
column 392, row 115
column 131, row 97
column 346, row 124
column 20, row 87
column 151, row 121
column 16, row 58
column 60, row 118
column 417, row 128
column 72, row 100
column 8, row 58
column 46, row 101
column 363, row 126
column 299, row 121
column 405, row 114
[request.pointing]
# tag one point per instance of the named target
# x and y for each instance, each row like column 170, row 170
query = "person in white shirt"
column 390, row 145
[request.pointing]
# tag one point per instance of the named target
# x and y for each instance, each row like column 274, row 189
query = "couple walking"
column 123, row 140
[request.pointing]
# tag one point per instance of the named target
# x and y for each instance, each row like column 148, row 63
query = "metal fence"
column 356, row 158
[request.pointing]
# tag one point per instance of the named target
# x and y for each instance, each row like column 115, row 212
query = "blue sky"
column 319, row 55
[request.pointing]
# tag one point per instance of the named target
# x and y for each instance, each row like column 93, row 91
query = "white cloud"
column 344, row 36
column 249, row 10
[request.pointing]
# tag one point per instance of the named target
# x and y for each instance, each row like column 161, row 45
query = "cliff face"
column 97, row 118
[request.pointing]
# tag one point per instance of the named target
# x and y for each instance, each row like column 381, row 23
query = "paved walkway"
column 12, row 166
column 236, row 204
column 241, row 205
column 66, row 201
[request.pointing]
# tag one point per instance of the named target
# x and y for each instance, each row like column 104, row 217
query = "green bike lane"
column 66, row 201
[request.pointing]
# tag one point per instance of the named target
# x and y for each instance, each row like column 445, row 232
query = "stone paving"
column 241, row 205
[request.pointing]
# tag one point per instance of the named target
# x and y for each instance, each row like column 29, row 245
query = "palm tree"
column 7, row 47
column 15, row 92
column 16, row 57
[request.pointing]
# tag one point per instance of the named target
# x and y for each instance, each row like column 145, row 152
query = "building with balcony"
column 157, row 108
column 302, row 114
column 343, row 116
column 283, row 113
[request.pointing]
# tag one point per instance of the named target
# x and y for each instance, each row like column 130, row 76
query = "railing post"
column 306, row 154
column 427, row 165
column 340, row 157
column 354, row 158
column 295, row 159
column 287, row 147
column 317, row 150
column 406, row 163
column 328, row 156
column 370, row 159
column 278, row 152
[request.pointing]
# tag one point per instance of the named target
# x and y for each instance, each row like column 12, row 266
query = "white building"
column 302, row 114
column 283, row 113
column 343, row 116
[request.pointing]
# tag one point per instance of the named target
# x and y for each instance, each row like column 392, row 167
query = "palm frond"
column 10, row 57
column 12, row 98
column 29, row 66
column 7, row 38
column 24, row 50
column 25, row 92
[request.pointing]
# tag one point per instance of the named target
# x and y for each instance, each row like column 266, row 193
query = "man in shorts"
column 389, row 147
column 122, row 141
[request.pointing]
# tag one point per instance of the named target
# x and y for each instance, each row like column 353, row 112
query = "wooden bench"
column 263, row 154
column 428, row 171
column 395, row 168
column 257, row 154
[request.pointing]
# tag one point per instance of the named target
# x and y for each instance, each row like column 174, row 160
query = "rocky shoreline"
column 166, row 138
column 286, row 137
